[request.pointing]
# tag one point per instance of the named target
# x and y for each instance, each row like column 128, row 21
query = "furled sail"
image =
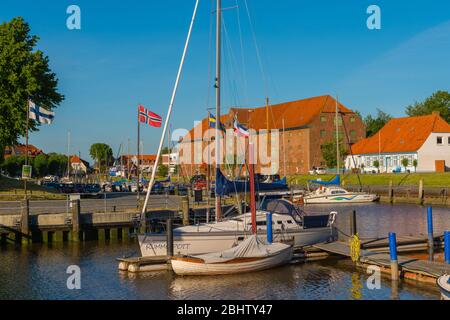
column 335, row 181
column 226, row 187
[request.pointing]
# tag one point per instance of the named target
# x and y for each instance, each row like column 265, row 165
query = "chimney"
column 437, row 113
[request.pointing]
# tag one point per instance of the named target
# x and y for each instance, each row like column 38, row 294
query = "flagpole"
column 26, row 148
column 138, row 172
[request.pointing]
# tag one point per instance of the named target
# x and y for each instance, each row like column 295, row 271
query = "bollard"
column 269, row 227
column 430, row 232
column 169, row 238
column 353, row 228
column 447, row 246
column 393, row 254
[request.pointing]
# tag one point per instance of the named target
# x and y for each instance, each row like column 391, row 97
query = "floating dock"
column 409, row 268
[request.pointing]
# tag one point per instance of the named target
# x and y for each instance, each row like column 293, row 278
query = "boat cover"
column 335, row 181
column 226, row 187
column 252, row 247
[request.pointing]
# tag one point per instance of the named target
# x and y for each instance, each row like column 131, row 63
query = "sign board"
column 26, row 172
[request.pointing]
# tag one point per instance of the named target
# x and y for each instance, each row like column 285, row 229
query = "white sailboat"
column 251, row 255
column 443, row 283
column 290, row 224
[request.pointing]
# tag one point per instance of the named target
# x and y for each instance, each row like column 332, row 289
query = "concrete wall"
column 431, row 151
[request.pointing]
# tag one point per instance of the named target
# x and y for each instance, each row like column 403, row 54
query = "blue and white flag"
column 240, row 130
column 40, row 114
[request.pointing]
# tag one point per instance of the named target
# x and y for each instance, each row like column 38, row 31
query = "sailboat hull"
column 347, row 198
column 194, row 243
column 189, row 266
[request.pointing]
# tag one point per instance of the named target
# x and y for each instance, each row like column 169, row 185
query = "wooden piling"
column 391, row 192
column 353, row 226
column 185, row 210
column 421, row 192
column 76, row 210
column 169, row 238
column 25, row 220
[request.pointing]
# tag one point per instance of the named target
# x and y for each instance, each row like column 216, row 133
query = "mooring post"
column 421, row 193
column 185, row 209
column 393, row 254
column 447, row 246
column 353, row 228
column 430, row 232
column 269, row 227
column 25, row 219
column 75, row 219
column 169, row 238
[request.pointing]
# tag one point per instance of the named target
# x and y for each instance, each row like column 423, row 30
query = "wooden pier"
column 409, row 268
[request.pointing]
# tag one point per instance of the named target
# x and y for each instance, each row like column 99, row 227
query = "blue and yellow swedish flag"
column 212, row 122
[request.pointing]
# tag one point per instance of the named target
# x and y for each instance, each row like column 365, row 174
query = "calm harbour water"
column 39, row 271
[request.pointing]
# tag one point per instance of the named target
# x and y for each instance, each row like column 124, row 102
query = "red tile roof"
column 402, row 135
column 295, row 114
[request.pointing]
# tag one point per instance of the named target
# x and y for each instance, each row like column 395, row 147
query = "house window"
column 352, row 119
column 439, row 141
column 352, row 133
column 323, row 133
column 323, row 119
column 449, row 141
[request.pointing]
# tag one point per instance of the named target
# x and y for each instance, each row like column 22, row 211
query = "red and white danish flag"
column 148, row 117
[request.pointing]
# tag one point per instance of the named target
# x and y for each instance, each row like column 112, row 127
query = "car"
column 198, row 182
column 318, row 170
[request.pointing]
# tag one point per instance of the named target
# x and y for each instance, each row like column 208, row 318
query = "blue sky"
column 127, row 52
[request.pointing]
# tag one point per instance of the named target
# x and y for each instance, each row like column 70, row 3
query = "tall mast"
column 68, row 154
column 169, row 112
column 217, row 85
column 284, row 150
column 337, row 138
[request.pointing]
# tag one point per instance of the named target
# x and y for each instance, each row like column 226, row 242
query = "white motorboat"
column 336, row 194
column 443, row 283
column 290, row 224
column 250, row 255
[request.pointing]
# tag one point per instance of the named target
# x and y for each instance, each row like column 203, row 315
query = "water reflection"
column 39, row 271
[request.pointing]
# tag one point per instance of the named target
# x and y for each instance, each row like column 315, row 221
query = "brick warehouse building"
column 308, row 123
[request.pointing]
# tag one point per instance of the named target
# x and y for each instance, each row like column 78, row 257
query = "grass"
column 12, row 189
column 398, row 179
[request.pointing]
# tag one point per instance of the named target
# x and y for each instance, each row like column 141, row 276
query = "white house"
column 422, row 140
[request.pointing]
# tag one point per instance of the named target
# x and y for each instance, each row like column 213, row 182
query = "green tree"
column 329, row 152
column 25, row 74
column 163, row 171
column 405, row 163
column 57, row 164
column 166, row 150
column 13, row 165
column 376, row 164
column 40, row 165
column 438, row 101
column 102, row 154
column 415, row 163
column 373, row 125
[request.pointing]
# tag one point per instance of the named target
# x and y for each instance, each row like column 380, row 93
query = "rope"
column 355, row 247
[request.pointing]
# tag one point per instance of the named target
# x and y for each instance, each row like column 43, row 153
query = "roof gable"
column 402, row 135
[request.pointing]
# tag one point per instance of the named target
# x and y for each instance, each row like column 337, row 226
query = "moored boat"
column 443, row 283
column 250, row 255
column 336, row 194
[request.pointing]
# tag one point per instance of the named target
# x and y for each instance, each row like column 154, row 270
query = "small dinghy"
column 250, row 255
column 443, row 283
